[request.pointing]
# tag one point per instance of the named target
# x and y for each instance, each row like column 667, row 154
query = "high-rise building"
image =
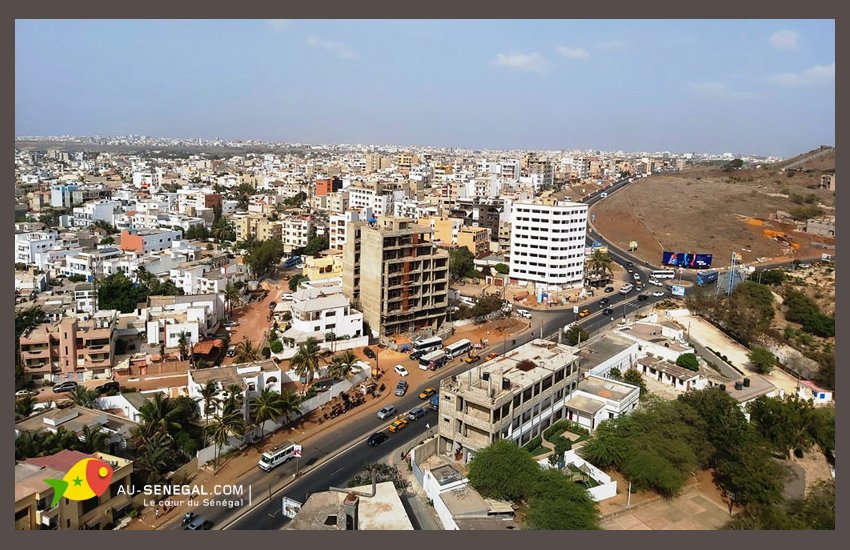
column 547, row 244
column 395, row 275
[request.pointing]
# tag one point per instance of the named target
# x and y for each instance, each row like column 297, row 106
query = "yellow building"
column 325, row 267
column 258, row 226
column 475, row 239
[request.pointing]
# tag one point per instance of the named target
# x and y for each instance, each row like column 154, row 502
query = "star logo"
column 78, row 481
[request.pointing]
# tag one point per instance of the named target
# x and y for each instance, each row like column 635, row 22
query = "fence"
column 208, row 454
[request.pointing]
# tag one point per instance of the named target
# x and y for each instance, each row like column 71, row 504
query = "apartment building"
column 259, row 226
column 398, row 278
column 547, row 244
column 95, row 211
column 70, row 349
column 323, row 267
column 62, row 195
column 296, row 232
column 444, row 230
column 827, row 181
column 337, row 225
column 166, row 317
column 369, row 195
column 94, row 513
column 581, row 168
column 328, row 185
column 376, row 162
column 323, row 309
column 252, row 378
column 543, row 169
column 28, row 245
column 480, row 213
column 475, row 239
column 513, row 397
column 337, row 202
column 144, row 241
column 597, row 399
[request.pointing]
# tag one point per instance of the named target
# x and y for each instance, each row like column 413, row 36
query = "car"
column 376, row 439
column 658, row 294
column 631, row 270
column 24, row 393
column 626, row 288
column 524, row 313
column 427, row 393
column 630, row 264
column 387, row 412
column 604, row 302
column 416, row 355
column 272, row 304
column 638, row 287
column 804, row 265
column 397, row 424
column 286, row 297
column 400, row 370
column 187, row 518
column 231, row 351
column 198, row 524
column 472, row 358
column 584, row 313
column 369, row 353
column 416, row 413
column 65, row 387
column 642, row 297
column 491, row 356
column 401, row 388
column 108, row 387
column 607, row 311
column 656, row 282
column 609, row 289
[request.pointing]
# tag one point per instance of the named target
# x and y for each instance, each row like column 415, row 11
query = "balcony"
column 475, row 421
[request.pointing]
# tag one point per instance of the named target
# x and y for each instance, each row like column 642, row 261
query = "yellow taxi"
column 398, row 424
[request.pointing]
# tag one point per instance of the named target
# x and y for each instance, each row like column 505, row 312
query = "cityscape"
column 301, row 316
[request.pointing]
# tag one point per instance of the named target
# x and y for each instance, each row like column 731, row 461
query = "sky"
column 744, row 87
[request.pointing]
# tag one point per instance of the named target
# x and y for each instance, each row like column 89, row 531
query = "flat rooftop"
column 321, row 303
column 74, row 419
column 383, row 512
column 584, row 404
column 652, row 334
column 759, row 385
column 229, row 374
column 606, row 388
column 598, row 351
column 665, row 366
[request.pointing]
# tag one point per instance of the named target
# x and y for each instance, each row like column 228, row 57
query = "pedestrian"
column 156, row 513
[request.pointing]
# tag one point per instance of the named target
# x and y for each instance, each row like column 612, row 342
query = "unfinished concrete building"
column 399, row 280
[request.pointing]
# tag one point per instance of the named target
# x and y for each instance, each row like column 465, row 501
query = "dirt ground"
column 704, row 210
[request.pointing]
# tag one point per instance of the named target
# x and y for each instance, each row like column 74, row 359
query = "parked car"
column 626, row 288
column 642, row 298
column 607, row 311
column 609, row 289
column 376, row 439
column 387, row 412
column 584, row 313
column 656, row 282
column 24, row 393
column 108, row 387
column 322, row 385
column 369, row 353
column 400, row 370
column 286, row 297
column 187, row 518
column 658, row 294
column 416, row 413
column 630, row 264
column 231, row 351
column 604, row 302
column 490, row 356
column 427, row 393
column 472, row 358
column 65, row 387
column 416, row 355
column 198, row 524
column 401, row 388
column 397, row 424
column 524, row 313
column 272, row 304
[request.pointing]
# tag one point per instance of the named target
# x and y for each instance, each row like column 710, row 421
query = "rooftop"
column 29, row 479
column 652, row 334
column 606, row 388
column 230, row 374
column 674, row 370
column 383, row 512
column 74, row 419
column 759, row 385
column 584, row 404
column 321, row 303
column 596, row 352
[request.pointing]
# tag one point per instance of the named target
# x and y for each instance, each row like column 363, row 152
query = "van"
column 603, row 194
column 276, row 456
column 626, row 288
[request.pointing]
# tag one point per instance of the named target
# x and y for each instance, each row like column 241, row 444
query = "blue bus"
column 291, row 262
column 706, row 277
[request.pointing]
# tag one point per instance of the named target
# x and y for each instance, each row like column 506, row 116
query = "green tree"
column 268, row 405
column 688, row 361
column 84, row 397
column 461, row 262
column 24, row 406
column 557, row 503
column 295, row 281
column 263, row 257
column 305, row 362
column 762, row 360
column 785, row 423
column 276, row 346
column 107, row 240
column 763, row 518
column 635, row 378
column 155, row 457
column 502, row 268
column 576, row 334
column 772, row 277
column 232, row 296
column 290, row 405
column 209, row 396
column 197, row 231
column 246, row 352
column 93, row 440
column 600, row 263
column 316, row 245
column 228, row 423
column 183, row 344
column 503, row 471
column 118, row 292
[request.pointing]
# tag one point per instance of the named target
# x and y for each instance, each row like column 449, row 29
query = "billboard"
column 677, row 290
column 686, row 259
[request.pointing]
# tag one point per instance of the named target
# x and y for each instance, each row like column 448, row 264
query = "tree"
column 635, row 378
column 209, row 396
column 159, row 415
column 262, row 257
column 246, row 352
column 232, row 296
column 228, row 423
column 342, row 364
column 183, row 344
column 295, row 281
column 305, row 362
column 615, row 374
column 461, row 262
column 24, row 406
column 558, row 503
column 600, row 263
column 688, row 361
column 761, row 360
column 772, row 277
column 118, row 292
column 503, row 471
column 154, row 458
column 290, row 405
column 107, row 240
column 93, row 440
column 502, row 268
column 785, row 423
column 276, row 346
column 197, row 231
column 316, row 245
column 84, row 397
column 576, row 334
column 802, row 309
column 268, row 405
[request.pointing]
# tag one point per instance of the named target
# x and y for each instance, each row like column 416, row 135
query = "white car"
column 658, row 294
column 400, row 370
column 387, row 412
column 626, row 288
column 524, row 313
column 23, row 393
column 656, row 282
column 286, row 297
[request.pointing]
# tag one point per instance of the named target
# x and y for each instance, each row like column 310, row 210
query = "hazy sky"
column 760, row 87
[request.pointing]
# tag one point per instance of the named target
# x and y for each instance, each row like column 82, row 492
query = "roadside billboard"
column 677, row 290
column 686, row 259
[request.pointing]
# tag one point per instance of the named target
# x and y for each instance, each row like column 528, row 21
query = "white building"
column 94, row 211
column 253, row 378
column 28, row 245
column 597, row 399
column 338, row 222
column 547, row 244
column 368, row 197
column 167, row 316
column 296, row 232
column 806, row 389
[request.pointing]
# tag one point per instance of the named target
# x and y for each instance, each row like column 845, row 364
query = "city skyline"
column 754, row 87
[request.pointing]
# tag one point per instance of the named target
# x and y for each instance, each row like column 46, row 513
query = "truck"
column 706, row 277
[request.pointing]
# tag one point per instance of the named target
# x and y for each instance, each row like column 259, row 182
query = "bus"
column 458, row 348
column 433, row 360
column 706, row 277
column 427, row 345
column 663, row 274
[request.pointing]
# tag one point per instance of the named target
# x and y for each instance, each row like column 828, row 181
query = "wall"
column 607, row 487
column 726, row 369
column 208, row 454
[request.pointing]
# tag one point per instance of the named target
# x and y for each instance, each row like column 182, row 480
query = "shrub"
column 688, row 361
column 533, row 444
column 276, row 346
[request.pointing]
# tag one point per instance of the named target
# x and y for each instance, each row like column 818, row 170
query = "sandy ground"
column 702, row 210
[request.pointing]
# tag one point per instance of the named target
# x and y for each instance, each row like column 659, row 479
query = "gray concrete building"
column 395, row 276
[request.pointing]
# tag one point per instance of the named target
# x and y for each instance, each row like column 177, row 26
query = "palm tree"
column 246, row 352
column 158, row 415
column 268, row 405
column 599, row 263
column 84, row 397
column 161, row 355
column 24, row 406
column 209, row 395
column 342, row 364
column 290, row 405
column 154, row 457
column 183, row 344
column 93, row 440
column 305, row 362
column 232, row 296
column 229, row 422
column 234, row 394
